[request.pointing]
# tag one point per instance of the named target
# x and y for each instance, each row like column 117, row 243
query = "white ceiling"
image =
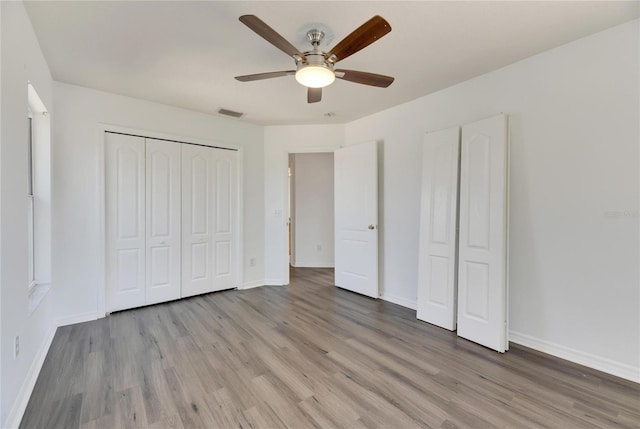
column 186, row 54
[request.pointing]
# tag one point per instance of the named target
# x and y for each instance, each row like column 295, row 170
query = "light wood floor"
column 308, row 355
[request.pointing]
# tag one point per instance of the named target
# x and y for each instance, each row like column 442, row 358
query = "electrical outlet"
column 252, row 262
column 16, row 347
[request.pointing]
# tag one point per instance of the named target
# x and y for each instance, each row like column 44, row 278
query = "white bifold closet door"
column 143, row 221
column 209, row 213
column 437, row 269
column 171, row 220
column 162, row 221
column 125, row 221
column 462, row 277
column 482, row 254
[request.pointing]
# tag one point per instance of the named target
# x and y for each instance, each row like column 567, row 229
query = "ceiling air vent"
column 230, row 113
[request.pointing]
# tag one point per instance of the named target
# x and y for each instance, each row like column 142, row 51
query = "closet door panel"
column 482, row 285
column 226, row 213
column 163, row 221
column 198, row 220
column 125, row 221
column 437, row 275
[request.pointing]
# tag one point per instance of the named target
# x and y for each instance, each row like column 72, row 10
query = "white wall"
column 22, row 61
column 279, row 141
column 574, row 193
column 76, row 188
column 313, row 215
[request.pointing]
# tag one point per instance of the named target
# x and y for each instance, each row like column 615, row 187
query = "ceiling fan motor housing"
column 314, row 58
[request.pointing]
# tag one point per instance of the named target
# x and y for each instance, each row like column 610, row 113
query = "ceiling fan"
column 314, row 68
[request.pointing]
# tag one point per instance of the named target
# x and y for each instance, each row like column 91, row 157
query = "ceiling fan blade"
column 270, row 35
column 314, row 95
column 359, row 39
column 365, row 78
column 261, row 76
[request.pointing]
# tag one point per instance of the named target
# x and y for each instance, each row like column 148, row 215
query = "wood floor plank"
column 307, row 356
column 65, row 413
column 282, row 402
column 168, row 422
column 190, row 401
column 262, row 417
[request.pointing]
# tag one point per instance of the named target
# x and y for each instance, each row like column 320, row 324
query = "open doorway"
column 311, row 214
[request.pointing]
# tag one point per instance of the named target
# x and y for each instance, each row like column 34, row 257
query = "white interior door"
column 356, row 218
column 125, row 221
column 163, row 245
column 197, row 220
column 482, row 280
column 437, row 275
column 225, row 228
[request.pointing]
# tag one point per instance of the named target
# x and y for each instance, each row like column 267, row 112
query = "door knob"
column 372, row 226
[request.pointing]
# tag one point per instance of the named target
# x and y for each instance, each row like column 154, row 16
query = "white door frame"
column 101, row 238
column 284, row 168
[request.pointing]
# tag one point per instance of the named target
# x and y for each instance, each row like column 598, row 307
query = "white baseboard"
column 22, row 399
column 271, row 282
column 251, row 285
column 400, row 301
column 77, row 318
column 609, row 366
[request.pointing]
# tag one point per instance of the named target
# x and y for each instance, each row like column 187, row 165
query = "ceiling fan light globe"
column 315, row 76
